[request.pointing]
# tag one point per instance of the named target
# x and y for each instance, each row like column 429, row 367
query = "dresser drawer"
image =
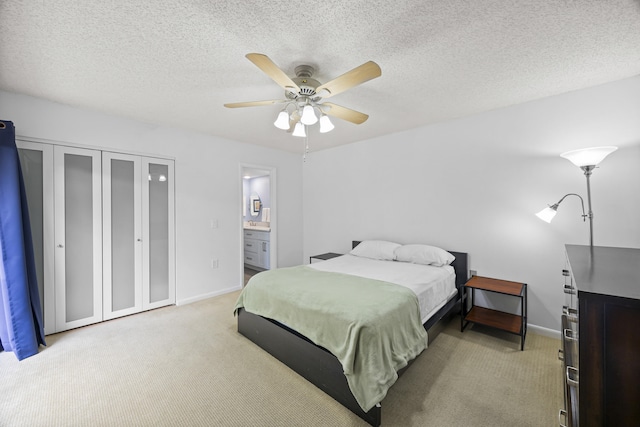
column 251, row 246
column 251, row 259
column 256, row 234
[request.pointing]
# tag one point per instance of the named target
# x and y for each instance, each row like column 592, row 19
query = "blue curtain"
column 21, row 327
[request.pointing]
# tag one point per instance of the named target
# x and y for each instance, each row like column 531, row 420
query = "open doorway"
column 258, row 220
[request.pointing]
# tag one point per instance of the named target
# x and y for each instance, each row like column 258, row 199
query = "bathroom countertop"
column 257, row 228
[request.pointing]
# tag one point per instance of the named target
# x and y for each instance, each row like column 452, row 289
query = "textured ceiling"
column 177, row 63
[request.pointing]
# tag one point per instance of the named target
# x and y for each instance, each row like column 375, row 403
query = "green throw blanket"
column 372, row 327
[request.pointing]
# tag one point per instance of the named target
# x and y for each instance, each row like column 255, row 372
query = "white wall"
column 468, row 185
column 474, row 184
column 208, row 185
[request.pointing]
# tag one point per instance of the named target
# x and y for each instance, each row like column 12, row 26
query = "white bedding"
column 434, row 286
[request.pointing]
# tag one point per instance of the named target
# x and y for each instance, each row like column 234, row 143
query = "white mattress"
column 434, row 286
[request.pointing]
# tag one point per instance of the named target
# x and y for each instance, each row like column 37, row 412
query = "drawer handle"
column 569, row 334
column 568, row 289
column 249, row 244
column 249, row 258
column 572, row 380
column 565, row 273
column 562, row 415
column 569, row 311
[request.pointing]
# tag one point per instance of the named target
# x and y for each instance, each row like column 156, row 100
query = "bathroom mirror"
column 255, row 204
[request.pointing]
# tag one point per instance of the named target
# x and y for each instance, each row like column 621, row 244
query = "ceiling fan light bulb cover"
column 325, row 124
column 299, row 130
column 588, row 156
column 308, row 116
column 282, row 122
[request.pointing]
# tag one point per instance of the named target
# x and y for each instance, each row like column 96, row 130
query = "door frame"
column 273, row 235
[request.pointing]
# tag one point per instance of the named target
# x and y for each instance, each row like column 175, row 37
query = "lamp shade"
column 299, row 130
column 308, row 116
column 547, row 214
column 282, row 122
column 325, row 124
column 588, row 156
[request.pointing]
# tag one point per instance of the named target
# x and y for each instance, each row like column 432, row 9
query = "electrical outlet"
column 214, row 223
column 214, row 263
column 473, row 272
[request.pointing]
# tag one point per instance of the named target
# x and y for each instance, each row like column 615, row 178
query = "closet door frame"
column 59, row 152
column 47, row 300
column 108, row 312
column 146, row 280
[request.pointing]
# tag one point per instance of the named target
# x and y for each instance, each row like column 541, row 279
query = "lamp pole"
column 587, row 173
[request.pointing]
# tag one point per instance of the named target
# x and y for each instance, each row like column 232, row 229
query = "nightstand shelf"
column 324, row 257
column 512, row 323
column 496, row 319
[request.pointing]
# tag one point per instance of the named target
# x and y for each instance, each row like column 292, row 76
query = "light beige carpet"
column 187, row 366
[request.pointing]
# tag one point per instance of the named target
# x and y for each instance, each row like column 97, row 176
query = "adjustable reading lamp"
column 586, row 159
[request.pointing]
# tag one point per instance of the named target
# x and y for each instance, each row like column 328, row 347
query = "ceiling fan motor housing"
column 304, row 81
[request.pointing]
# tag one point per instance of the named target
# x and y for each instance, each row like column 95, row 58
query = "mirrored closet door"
column 138, row 234
column 122, row 234
column 103, row 232
column 36, row 161
column 158, row 236
column 78, row 236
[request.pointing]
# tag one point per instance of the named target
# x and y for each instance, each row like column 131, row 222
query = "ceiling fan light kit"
column 305, row 94
column 282, row 122
column 299, row 130
column 325, row 124
column 308, row 116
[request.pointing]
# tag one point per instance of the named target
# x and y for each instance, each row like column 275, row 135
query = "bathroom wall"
column 260, row 186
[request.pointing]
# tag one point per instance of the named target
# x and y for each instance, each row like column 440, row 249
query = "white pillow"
column 423, row 254
column 375, row 249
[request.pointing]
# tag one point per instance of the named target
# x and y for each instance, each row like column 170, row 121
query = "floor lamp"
column 586, row 159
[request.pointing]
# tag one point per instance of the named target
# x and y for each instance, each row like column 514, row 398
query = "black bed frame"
column 318, row 365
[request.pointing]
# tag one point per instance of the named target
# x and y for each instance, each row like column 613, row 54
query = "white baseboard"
column 207, row 296
column 552, row 333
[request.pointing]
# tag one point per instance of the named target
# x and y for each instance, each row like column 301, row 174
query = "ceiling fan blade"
column 254, row 103
column 344, row 113
column 272, row 70
column 364, row 73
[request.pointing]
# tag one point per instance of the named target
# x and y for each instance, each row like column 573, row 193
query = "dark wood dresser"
column 602, row 325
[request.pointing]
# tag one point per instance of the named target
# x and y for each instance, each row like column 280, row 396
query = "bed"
column 273, row 331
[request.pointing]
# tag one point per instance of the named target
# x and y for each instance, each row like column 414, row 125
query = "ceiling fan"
column 304, row 95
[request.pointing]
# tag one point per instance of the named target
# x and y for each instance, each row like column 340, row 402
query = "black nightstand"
column 324, row 257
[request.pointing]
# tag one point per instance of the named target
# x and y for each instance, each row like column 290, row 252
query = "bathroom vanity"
column 256, row 247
